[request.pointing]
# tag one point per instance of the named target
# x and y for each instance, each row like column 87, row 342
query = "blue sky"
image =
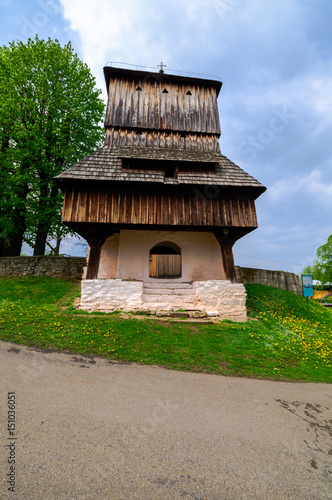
column 275, row 61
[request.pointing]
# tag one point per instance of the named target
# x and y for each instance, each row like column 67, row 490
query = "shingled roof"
column 106, row 164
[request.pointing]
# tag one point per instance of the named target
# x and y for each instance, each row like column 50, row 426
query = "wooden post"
column 228, row 260
column 95, row 242
column 226, row 242
column 93, row 262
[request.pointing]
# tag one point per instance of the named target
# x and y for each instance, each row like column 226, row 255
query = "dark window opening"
column 163, row 250
column 165, row 91
column 139, row 89
column 183, row 135
column 188, row 93
column 171, row 171
column 138, row 132
column 169, row 168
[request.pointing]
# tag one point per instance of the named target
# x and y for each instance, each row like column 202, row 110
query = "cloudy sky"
column 275, row 61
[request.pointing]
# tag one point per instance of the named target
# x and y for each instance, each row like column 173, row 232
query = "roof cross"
column 161, row 66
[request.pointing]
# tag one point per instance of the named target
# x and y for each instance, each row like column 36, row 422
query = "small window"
column 188, row 93
column 171, row 171
column 139, row 89
column 165, row 91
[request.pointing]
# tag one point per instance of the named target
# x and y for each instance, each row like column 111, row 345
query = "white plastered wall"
column 108, row 265
column 126, row 255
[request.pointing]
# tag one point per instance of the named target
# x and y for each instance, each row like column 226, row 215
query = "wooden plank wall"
column 162, row 139
column 152, row 108
column 90, row 204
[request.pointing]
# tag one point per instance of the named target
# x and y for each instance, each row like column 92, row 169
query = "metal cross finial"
column 161, row 66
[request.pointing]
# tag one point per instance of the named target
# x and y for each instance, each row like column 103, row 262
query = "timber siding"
column 161, row 102
column 162, row 139
column 108, row 204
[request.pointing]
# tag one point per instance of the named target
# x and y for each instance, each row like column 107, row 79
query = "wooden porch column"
column 228, row 260
column 93, row 262
column 226, row 245
column 95, row 242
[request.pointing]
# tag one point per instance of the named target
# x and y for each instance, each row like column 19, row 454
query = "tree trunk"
column 40, row 242
column 57, row 246
column 43, row 224
column 18, row 217
column 14, row 245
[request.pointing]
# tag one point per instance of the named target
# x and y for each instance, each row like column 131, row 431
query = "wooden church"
column 158, row 204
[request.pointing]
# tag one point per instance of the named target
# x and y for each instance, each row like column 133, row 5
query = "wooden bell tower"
column 159, row 172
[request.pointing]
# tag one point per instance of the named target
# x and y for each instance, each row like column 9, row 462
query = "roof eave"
column 110, row 71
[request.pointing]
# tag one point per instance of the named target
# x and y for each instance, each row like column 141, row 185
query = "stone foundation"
column 228, row 299
column 219, row 298
column 111, row 295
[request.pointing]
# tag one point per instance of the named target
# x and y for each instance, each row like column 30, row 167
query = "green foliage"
column 290, row 338
column 321, row 270
column 323, row 263
column 50, row 115
column 309, row 270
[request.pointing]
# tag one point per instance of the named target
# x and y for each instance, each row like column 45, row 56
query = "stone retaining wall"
column 278, row 279
column 72, row 268
column 61, row 267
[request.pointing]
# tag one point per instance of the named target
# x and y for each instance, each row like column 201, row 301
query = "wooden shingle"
column 106, row 164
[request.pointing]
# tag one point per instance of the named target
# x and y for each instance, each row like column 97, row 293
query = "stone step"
column 159, row 307
column 166, row 286
column 169, row 295
column 159, row 299
column 167, row 291
column 168, row 282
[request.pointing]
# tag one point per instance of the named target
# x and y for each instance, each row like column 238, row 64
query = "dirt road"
column 92, row 429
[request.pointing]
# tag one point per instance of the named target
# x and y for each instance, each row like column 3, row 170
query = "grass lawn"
column 287, row 338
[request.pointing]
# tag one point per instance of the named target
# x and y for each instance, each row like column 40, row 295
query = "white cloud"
column 134, row 32
column 311, row 188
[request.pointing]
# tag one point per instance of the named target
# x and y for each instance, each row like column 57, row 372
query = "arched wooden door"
column 165, row 261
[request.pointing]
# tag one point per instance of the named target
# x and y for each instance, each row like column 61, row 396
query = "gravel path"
column 94, row 429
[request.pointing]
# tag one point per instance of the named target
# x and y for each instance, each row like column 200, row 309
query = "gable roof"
column 106, row 164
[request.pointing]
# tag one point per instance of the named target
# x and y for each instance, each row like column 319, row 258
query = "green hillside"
column 286, row 338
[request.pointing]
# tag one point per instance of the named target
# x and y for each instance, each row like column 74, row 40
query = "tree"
column 50, row 116
column 308, row 270
column 321, row 269
column 323, row 263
